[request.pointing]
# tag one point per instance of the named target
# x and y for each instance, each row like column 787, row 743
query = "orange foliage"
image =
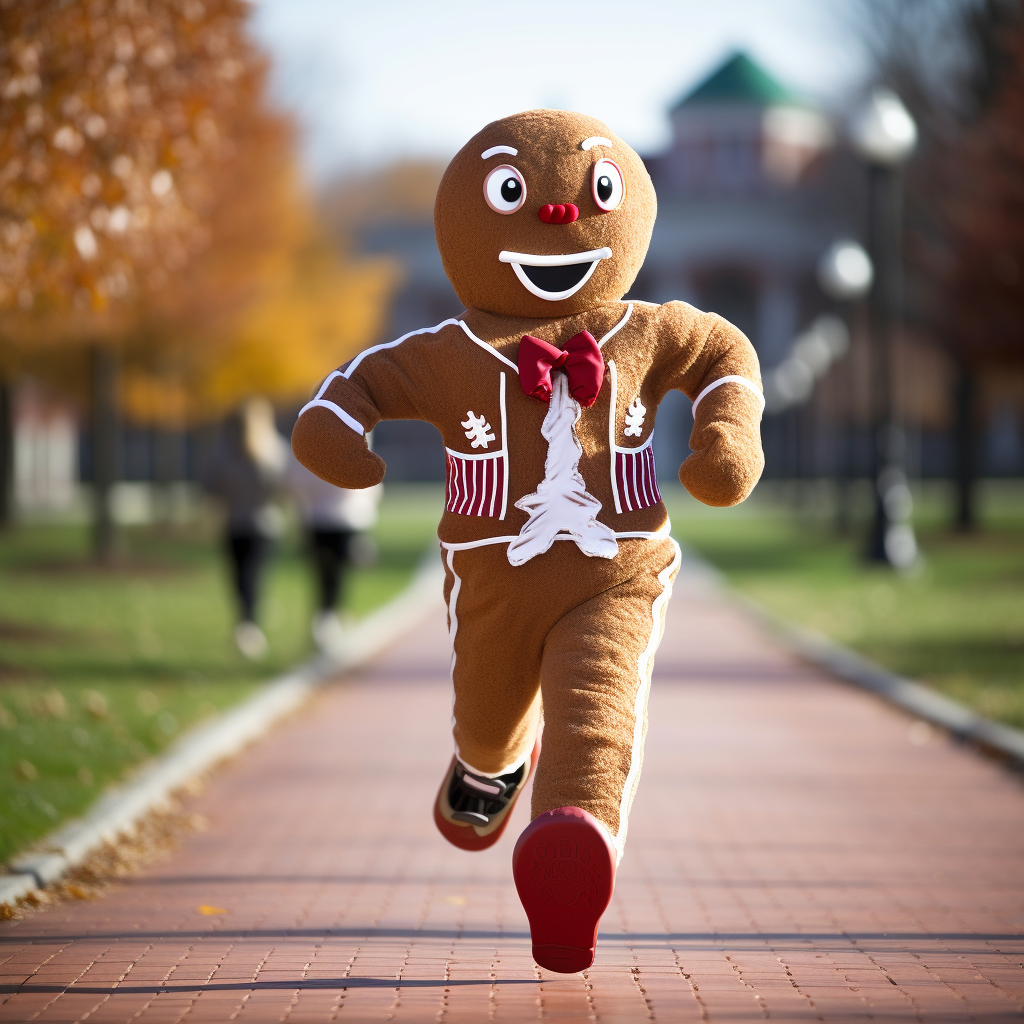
column 120, row 134
column 316, row 314
column 149, row 200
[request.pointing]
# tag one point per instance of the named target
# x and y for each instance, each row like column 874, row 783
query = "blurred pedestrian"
column 245, row 474
column 334, row 520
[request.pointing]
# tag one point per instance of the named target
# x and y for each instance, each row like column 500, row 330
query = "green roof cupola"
column 739, row 81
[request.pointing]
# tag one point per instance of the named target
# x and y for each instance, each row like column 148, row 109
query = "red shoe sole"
column 564, row 869
column 465, row 836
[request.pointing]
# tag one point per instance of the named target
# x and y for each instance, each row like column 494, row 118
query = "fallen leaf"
column 208, row 910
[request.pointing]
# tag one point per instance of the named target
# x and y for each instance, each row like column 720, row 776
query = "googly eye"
column 504, row 189
column 609, row 188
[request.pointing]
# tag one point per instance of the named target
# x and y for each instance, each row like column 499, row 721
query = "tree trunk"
column 104, row 449
column 6, row 452
column 965, row 444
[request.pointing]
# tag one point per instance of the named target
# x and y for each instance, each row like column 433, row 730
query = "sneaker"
column 329, row 634
column 564, row 870
column 471, row 811
column 250, row 640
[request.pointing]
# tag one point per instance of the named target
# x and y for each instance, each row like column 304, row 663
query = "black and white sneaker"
column 472, row 810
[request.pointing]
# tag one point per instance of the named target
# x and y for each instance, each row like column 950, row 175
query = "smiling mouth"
column 554, row 277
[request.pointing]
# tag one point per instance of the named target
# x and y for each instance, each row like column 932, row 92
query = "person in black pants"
column 245, row 474
column 334, row 519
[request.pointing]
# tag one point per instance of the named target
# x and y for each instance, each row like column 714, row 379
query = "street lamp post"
column 884, row 136
column 845, row 274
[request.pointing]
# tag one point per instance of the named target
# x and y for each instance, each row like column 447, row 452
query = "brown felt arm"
column 330, row 446
column 726, row 460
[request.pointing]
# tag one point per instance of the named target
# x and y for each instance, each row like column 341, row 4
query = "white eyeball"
column 609, row 188
column 504, row 189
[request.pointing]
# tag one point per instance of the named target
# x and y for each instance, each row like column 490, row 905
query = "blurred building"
column 751, row 192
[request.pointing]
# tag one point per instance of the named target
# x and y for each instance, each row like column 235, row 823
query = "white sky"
column 379, row 79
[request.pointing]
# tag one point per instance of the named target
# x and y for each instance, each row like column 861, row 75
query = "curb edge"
column 205, row 744
column 919, row 700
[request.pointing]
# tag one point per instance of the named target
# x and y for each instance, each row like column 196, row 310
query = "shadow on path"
column 713, row 939
column 246, row 986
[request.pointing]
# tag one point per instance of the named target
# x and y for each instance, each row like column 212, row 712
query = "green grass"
column 102, row 668
column 956, row 623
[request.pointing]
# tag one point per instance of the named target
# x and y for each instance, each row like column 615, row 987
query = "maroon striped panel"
column 475, row 486
column 636, row 480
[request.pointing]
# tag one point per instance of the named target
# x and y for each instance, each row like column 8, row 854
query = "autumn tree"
column 142, row 182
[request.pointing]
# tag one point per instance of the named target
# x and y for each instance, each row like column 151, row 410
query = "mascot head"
column 543, row 214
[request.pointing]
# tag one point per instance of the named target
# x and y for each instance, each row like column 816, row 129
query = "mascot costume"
column 555, row 540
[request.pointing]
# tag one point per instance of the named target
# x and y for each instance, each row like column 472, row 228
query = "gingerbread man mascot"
column 555, row 540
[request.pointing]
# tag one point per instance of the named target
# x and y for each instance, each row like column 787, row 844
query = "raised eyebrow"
column 595, row 140
column 495, row 150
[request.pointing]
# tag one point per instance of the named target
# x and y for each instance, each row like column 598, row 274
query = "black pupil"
column 604, row 188
column 511, row 190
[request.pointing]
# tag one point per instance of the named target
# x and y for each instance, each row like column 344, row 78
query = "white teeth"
column 521, row 259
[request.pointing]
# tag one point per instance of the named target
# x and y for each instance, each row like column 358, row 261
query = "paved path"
column 793, row 856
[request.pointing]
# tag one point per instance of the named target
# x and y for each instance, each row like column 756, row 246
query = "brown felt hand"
column 726, row 440
column 334, row 451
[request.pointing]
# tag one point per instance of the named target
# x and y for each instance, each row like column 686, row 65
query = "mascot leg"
column 595, row 678
column 496, row 709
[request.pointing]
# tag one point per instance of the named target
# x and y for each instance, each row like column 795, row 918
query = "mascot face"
column 543, row 214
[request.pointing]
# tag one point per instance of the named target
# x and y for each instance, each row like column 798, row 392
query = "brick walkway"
column 794, row 855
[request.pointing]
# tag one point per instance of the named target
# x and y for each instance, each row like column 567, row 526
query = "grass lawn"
column 957, row 623
column 101, row 668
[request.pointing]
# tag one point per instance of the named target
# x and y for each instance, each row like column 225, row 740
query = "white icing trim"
column 475, row 455
column 731, row 379
column 323, row 387
column 468, row 545
column 595, row 140
column 633, row 451
column 504, row 445
column 388, row 344
column 560, row 260
column 453, row 628
column 482, row 543
column 495, row 150
column 618, row 327
column 662, row 531
column 644, row 667
column 614, row 385
column 483, row 344
column 348, row 420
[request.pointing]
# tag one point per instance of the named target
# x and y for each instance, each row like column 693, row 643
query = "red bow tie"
column 581, row 361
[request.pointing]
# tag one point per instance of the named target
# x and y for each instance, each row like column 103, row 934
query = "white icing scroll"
column 561, row 507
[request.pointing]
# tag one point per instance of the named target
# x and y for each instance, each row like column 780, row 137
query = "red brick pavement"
column 793, row 856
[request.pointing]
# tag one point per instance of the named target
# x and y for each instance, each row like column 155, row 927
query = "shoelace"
column 475, row 799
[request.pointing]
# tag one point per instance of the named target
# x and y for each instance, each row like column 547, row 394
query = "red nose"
column 562, row 213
